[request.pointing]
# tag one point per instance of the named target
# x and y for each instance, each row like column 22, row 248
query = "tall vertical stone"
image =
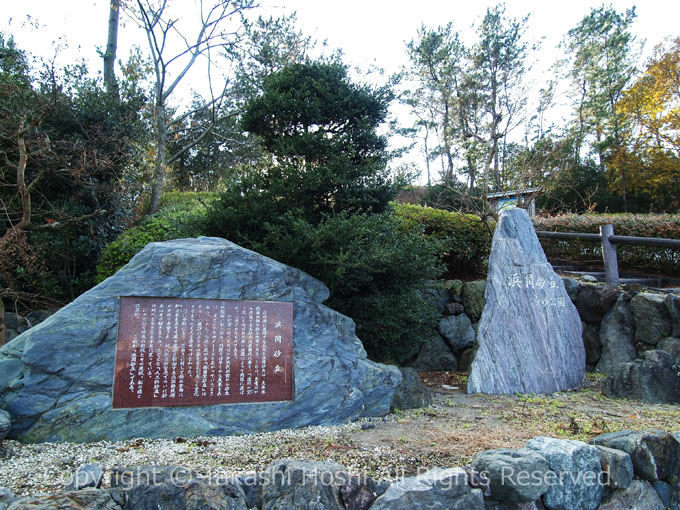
column 530, row 332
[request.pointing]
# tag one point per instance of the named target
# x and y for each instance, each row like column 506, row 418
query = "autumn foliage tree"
column 650, row 109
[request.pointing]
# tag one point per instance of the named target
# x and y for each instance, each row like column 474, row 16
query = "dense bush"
column 70, row 155
column 648, row 259
column 181, row 215
column 375, row 266
column 466, row 241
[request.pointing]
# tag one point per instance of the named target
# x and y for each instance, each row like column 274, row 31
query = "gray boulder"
column 128, row 477
column 434, row 355
column 617, row 467
column 639, row 496
column 466, row 358
column 591, row 342
column 5, row 424
column 411, row 392
column 6, row 498
column 515, row 476
column 617, row 336
column 455, row 288
column 673, row 306
column 576, row 483
column 316, row 485
column 530, row 334
column 654, row 453
column 458, row 332
column 654, row 377
column 437, row 488
column 571, row 285
column 594, row 301
column 85, row 499
column 473, row 299
column 359, row 493
column 86, row 476
column 193, row 494
column 652, row 318
column 672, row 346
column 664, row 491
column 497, row 505
column 55, row 379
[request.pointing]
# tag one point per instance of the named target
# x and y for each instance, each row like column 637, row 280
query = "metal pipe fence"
column 609, row 242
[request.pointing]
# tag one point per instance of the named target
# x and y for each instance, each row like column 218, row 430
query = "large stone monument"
column 192, row 337
column 530, row 333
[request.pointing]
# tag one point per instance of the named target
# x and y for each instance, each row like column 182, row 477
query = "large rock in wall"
column 56, row 378
column 530, row 332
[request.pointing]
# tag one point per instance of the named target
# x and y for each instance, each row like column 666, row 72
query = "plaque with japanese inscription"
column 181, row 352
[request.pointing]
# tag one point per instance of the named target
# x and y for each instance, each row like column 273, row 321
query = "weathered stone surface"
column 530, row 333
column 497, row 505
column 594, row 301
column 671, row 345
column 515, row 476
column 457, row 331
column 639, row 496
column 673, row 306
column 6, row 498
column 576, row 484
column 455, row 288
column 616, row 467
column 473, row 299
column 654, row 452
column 90, row 499
column 571, row 285
column 654, row 377
column 591, row 342
column 5, row 424
column 359, row 493
column 454, row 309
column 434, row 355
column 652, row 319
column 87, row 475
column 411, row 393
column 438, row 294
column 617, row 336
column 437, row 488
column 287, row 484
column 131, row 476
column 466, row 357
column 193, row 494
column 55, row 379
column 664, row 491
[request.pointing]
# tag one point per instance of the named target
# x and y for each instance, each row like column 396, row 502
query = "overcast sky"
column 370, row 32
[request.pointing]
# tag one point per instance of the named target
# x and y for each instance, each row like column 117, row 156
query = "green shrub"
column 465, row 239
column 181, row 215
column 648, row 259
column 375, row 266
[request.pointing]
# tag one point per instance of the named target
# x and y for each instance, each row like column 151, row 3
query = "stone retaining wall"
column 616, row 471
column 630, row 334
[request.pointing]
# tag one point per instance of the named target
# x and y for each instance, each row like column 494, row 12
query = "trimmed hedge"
column 181, row 215
column 646, row 259
column 466, row 241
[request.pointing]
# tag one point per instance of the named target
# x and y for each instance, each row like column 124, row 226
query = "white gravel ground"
column 31, row 469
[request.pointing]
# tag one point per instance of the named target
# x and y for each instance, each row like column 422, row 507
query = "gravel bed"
column 31, row 469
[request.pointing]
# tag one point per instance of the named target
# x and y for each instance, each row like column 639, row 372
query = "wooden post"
column 611, row 264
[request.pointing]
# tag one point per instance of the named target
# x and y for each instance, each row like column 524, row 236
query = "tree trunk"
column 161, row 149
column 111, row 47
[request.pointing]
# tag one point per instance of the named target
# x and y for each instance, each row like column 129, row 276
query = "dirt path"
column 459, row 425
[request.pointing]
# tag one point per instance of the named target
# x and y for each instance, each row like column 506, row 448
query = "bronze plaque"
column 180, row 352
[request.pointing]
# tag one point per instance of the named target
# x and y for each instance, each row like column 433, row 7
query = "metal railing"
column 609, row 242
